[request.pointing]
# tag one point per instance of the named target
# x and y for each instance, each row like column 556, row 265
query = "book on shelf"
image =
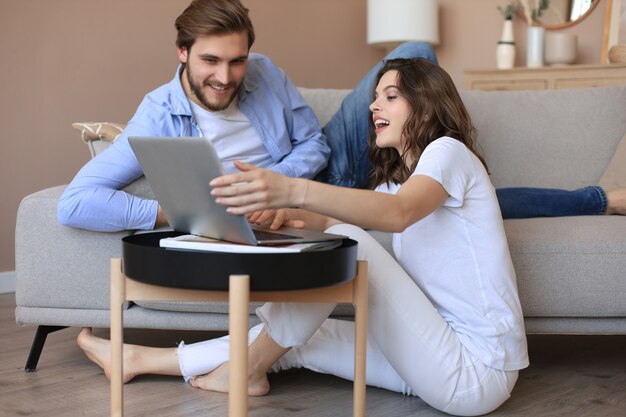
column 200, row 243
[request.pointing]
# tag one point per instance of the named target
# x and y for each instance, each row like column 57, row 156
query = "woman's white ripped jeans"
column 410, row 349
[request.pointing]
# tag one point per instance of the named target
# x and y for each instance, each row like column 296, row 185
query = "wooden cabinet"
column 571, row 76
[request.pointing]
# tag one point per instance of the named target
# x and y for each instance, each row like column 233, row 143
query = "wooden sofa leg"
column 37, row 346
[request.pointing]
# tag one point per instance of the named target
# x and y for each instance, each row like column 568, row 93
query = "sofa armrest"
column 59, row 266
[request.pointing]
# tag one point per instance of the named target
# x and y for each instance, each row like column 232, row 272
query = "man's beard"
column 196, row 89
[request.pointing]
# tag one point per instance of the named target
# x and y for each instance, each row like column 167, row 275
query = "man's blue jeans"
column 349, row 165
column 521, row 203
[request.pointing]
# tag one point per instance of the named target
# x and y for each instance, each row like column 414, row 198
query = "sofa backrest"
column 549, row 138
column 324, row 101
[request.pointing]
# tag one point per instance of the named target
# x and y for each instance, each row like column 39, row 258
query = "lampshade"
column 390, row 22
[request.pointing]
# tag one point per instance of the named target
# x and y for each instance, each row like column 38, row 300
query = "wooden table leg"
column 239, row 296
column 360, row 337
column 118, row 291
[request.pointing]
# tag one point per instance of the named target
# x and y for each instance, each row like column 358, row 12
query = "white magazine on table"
column 200, row 243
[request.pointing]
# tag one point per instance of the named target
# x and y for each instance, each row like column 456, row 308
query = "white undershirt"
column 232, row 136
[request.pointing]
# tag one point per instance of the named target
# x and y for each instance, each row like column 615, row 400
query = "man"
column 239, row 101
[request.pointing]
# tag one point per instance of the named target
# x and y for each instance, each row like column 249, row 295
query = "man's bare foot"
column 258, row 384
column 616, row 201
column 98, row 350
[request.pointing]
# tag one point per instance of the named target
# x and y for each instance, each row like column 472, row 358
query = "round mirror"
column 564, row 13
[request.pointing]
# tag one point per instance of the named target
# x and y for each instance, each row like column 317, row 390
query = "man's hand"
column 275, row 218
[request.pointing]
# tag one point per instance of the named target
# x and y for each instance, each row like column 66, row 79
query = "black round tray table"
column 145, row 261
column 147, row 271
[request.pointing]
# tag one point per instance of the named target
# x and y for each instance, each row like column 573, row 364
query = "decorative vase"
column 505, row 51
column 534, row 46
column 561, row 48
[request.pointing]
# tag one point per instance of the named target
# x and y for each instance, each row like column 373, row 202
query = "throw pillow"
column 615, row 174
column 98, row 135
column 99, row 131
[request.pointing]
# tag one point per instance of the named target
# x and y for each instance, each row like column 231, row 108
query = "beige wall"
column 85, row 60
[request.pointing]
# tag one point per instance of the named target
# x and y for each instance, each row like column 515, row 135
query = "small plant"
column 510, row 10
column 533, row 10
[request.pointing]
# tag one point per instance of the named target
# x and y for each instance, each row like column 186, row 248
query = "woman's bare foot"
column 258, row 384
column 616, row 201
column 262, row 354
column 98, row 350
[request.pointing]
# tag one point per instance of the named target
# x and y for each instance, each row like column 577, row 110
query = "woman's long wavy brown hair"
column 436, row 110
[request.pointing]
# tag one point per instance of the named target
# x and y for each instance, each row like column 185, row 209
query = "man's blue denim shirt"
column 285, row 123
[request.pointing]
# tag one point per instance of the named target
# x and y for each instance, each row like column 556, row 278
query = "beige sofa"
column 571, row 271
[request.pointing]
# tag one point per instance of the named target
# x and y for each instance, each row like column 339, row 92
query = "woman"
column 444, row 315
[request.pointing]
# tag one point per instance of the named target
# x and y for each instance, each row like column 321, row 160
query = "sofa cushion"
column 570, row 148
column 140, row 188
column 324, row 101
column 615, row 174
column 566, row 266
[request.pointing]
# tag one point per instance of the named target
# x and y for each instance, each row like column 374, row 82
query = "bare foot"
column 258, row 384
column 98, row 350
column 616, row 201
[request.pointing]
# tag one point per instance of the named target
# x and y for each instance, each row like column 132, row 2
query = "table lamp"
column 391, row 22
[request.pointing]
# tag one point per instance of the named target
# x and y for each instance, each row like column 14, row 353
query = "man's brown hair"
column 212, row 17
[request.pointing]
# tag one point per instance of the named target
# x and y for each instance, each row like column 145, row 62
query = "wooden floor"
column 568, row 376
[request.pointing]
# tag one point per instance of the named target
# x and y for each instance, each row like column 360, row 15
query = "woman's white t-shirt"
column 459, row 257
